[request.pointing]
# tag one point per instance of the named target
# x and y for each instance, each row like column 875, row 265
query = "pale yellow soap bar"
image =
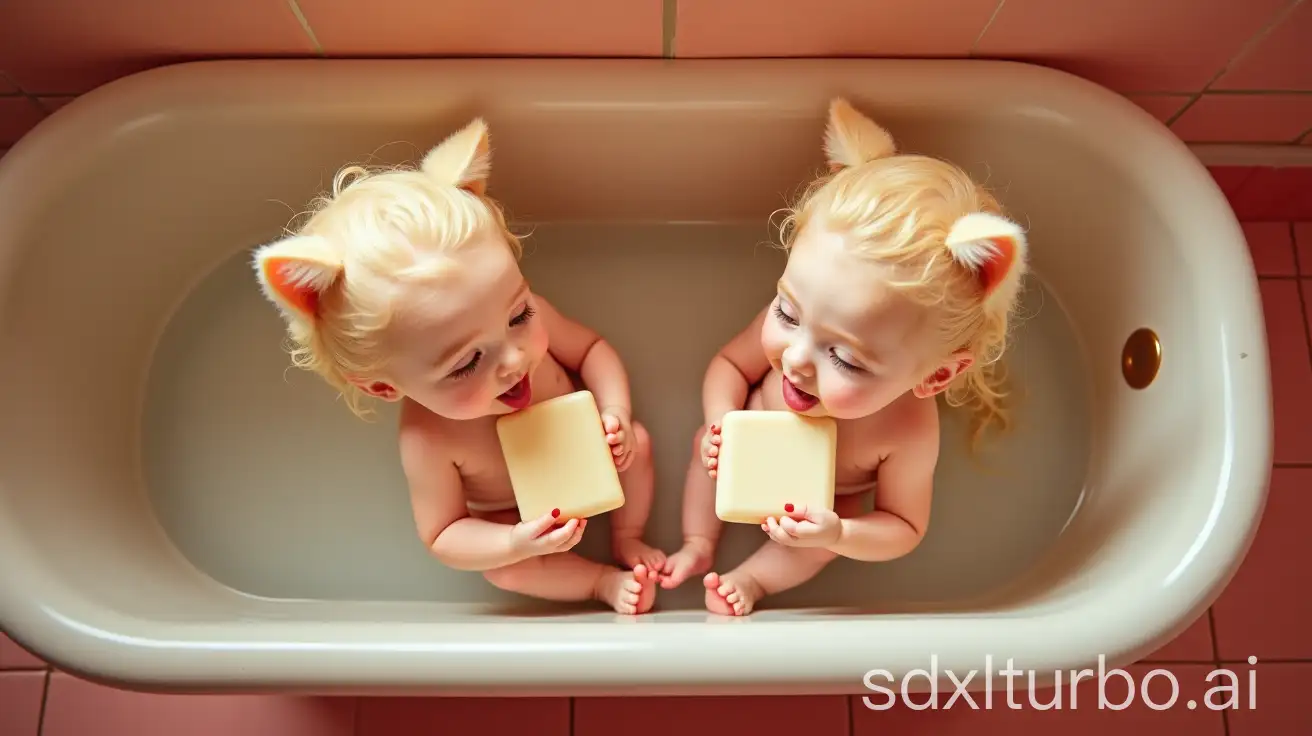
column 558, row 458
column 772, row 458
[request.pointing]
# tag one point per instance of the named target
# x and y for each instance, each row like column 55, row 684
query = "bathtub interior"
column 164, row 462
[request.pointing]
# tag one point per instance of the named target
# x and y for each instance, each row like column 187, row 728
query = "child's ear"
column 852, row 139
column 295, row 272
column 464, row 159
column 938, row 381
column 993, row 247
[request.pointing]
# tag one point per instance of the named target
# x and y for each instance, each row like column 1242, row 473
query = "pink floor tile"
column 1084, row 717
column 491, row 27
column 474, row 716
column 1194, row 644
column 1247, row 118
column 1281, row 705
column 1303, row 239
column 1231, row 178
column 1272, row 246
column 812, row 716
column 1275, row 193
column 70, row 46
column 1291, row 370
column 18, row 115
column 75, row 707
column 1266, row 609
column 1280, row 60
column 1162, row 107
column 776, row 28
column 20, row 702
column 14, row 657
column 1128, row 45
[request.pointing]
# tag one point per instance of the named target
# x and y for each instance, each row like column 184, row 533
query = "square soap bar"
column 557, row 456
column 771, row 458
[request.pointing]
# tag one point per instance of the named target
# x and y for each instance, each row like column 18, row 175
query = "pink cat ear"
column 294, row 272
column 852, row 139
column 464, row 159
column 996, row 249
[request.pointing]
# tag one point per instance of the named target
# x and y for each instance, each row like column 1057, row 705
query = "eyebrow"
column 858, row 345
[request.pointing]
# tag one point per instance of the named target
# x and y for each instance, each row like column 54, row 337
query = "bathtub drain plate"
column 1141, row 358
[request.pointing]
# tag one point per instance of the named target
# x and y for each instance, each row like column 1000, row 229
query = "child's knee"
column 641, row 441
column 697, row 443
column 510, row 577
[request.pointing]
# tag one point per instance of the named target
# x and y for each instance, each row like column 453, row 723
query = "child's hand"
column 536, row 537
column 711, row 449
column 619, row 435
column 803, row 527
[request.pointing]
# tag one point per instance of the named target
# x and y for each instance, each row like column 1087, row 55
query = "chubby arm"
column 903, row 499
column 583, row 351
column 739, row 365
column 438, row 501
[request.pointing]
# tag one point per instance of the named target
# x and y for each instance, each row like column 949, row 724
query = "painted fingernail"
column 555, row 512
column 788, row 507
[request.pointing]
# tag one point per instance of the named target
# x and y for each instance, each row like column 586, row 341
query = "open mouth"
column 519, row 395
column 797, row 399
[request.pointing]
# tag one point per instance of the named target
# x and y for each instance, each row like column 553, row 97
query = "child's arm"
column 445, row 526
column 739, row 365
column 581, row 350
column 904, row 496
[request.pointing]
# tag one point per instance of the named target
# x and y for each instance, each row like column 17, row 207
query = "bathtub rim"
column 33, row 623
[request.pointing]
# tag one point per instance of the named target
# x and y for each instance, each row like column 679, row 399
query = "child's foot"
column 694, row 559
column 631, row 552
column 730, row 597
column 628, row 591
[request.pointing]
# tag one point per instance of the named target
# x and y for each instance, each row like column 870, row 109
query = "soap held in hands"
column 557, row 457
column 771, row 458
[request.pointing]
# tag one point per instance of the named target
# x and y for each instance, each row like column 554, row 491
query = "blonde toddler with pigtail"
column 903, row 275
column 404, row 286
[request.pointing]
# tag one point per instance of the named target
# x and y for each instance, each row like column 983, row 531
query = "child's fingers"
column 558, row 536
column 539, row 526
column 611, row 423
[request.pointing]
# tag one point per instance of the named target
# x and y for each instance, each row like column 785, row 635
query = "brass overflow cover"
column 1141, row 358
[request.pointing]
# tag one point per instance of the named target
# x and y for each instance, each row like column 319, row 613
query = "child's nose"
column 512, row 362
column 795, row 361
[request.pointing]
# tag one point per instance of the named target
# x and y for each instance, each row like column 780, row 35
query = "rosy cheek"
column 773, row 343
column 844, row 394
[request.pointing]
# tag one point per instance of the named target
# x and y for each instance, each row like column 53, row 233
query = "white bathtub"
column 180, row 510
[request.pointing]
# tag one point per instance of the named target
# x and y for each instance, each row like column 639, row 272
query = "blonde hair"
column 335, row 281
column 929, row 221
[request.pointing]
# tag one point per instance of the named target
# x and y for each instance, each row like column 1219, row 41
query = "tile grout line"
column 1302, row 298
column 1216, row 661
column 295, row 7
column 1252, row 43
column 45, row 702
column 669, row 24
column 974, row 46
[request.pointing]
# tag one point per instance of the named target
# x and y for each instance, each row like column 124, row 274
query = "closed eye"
column 841, row 364
column 468, row 368
column 783, row 316
column 523, row 317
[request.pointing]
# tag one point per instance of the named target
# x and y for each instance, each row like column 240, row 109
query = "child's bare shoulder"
column 907, row 426
column 425, row 440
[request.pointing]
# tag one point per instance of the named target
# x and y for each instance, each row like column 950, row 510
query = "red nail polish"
column 555, row 512
column 788, row 507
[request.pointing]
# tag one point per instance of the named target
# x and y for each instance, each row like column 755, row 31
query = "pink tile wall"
column 1229, row 71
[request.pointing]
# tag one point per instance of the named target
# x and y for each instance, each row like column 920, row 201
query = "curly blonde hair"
column 335, row 281
column 927, row 219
